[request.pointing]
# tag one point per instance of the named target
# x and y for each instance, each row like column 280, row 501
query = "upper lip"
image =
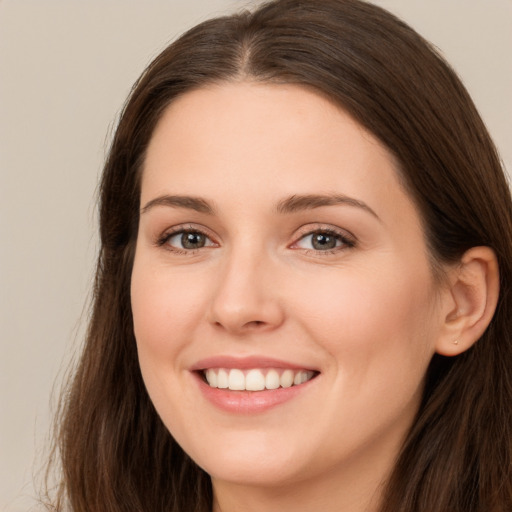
column 244, row 363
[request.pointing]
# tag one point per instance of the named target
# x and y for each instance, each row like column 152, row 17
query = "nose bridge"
column 246, row 296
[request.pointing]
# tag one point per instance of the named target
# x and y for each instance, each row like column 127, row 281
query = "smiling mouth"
column 255, row 379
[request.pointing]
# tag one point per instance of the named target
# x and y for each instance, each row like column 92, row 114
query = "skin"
column 366, row 315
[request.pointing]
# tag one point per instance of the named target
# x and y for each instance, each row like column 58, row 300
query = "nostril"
column 255, row 323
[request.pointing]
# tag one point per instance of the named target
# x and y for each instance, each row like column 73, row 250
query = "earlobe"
column 473, row 296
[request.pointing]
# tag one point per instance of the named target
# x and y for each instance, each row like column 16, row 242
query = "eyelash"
column 181, row 230
column 347, row 240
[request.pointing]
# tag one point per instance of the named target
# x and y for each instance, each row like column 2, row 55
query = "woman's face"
column 276, row 245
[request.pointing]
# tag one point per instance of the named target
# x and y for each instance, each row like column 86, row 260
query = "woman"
column 302, row 295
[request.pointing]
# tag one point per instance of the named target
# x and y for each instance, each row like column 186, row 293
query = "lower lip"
column 250, row 402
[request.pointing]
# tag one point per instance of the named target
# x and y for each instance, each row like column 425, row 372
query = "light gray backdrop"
column 65, row 70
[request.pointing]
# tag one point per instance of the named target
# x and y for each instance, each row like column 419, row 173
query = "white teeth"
column 272, row 380
column 211, row 377
column 222, row 379
column 287, row 379
column 236, row 380
column 255, row 379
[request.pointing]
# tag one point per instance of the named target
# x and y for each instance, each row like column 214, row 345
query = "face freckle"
column 259, row 171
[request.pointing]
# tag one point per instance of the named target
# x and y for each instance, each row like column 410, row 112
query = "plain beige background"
column 65, row 70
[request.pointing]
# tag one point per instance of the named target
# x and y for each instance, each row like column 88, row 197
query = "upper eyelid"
column 309, row 229
column 184, row 228
column 180, row 228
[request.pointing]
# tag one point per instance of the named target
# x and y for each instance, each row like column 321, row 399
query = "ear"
column 470, row 301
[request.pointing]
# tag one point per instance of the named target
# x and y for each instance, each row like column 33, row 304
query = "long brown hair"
column 116, row 454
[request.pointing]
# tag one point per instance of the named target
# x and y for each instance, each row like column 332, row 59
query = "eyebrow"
column 297, row 203
column 292, row 204
column 189, row 202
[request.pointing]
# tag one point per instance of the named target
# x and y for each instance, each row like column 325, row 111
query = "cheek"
column 166, row 313
column 379, row 336
column 373, row 319
column 164, row 305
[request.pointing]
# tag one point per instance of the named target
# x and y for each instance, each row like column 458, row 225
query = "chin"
column 252, row 463
column 260, row 473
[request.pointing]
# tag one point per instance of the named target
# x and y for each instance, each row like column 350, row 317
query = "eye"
column 324, row 240
column 186, row 240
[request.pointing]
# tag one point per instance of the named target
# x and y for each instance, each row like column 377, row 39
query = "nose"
column 247, row 298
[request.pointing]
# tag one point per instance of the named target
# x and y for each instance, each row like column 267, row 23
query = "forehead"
column 239, row 140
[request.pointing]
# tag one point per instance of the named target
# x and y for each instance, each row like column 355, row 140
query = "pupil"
column 192, row 240
column 322, row 241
